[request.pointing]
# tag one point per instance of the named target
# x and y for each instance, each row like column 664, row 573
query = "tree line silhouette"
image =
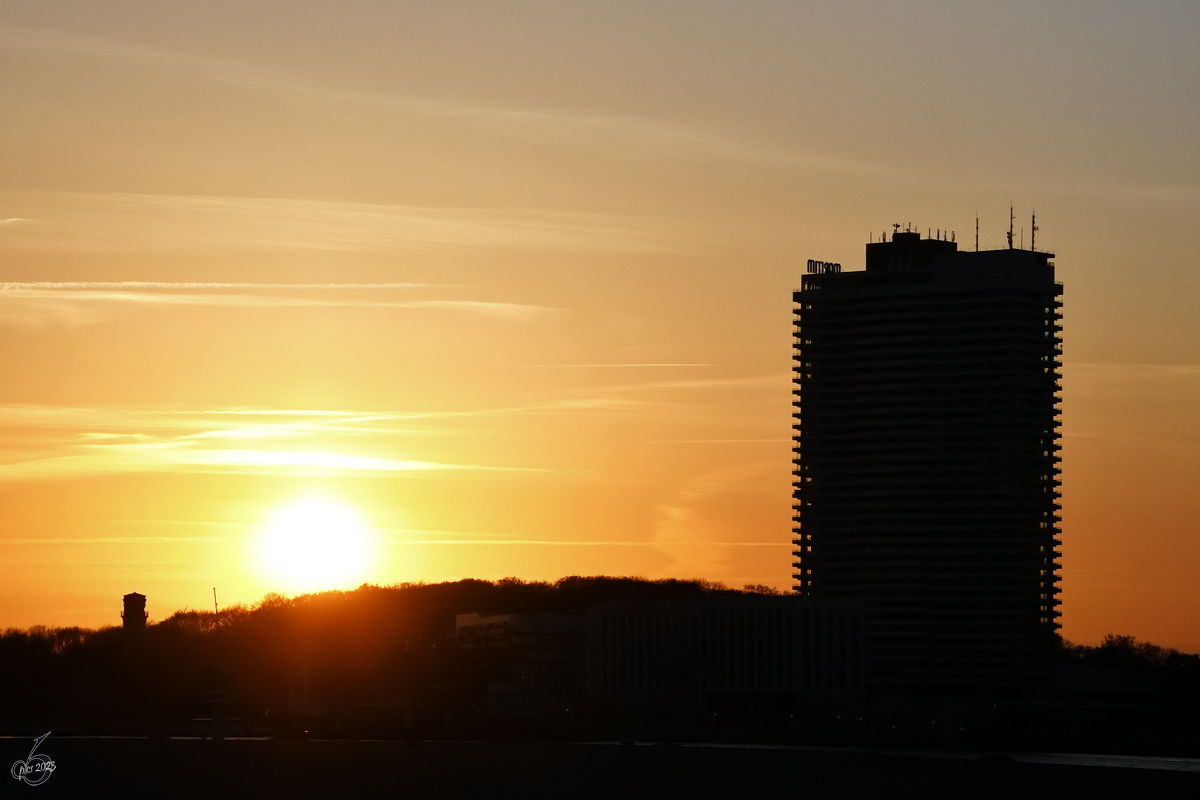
column 382, row 660
column 373, row 645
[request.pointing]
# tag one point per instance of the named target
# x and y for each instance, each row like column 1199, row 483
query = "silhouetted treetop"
column 344, row 646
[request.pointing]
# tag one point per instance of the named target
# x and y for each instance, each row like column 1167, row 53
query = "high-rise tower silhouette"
column 926, row 459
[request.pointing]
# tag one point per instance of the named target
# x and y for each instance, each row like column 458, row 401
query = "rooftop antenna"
column 1033, row 232
column 976, row 231
column 1022, row 237
column 1011, row 220
column 215, row 612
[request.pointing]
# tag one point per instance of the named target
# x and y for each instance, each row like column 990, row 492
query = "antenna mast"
column 215, row 612
column 976, row 231
column 1033, row 232
column 1011, row 220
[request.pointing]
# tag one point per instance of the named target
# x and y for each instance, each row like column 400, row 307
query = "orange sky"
column 512, row 281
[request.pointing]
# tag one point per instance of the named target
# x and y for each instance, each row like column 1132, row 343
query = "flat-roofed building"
column 704, row 647
column 927, row 460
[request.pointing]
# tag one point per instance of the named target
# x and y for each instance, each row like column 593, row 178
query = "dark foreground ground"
column 99, row 767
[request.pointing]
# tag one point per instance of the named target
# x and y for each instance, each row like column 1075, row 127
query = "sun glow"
column 314, row 545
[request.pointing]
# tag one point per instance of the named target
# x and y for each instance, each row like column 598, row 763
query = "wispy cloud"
column 158, row 285
column 12, row 220
column 125, row 419
column 176, row 457
column 693, row 515
column 1071, row 368
column 513, row 310
column 74, row 540
column 390, row 542
column 92, row 441
column 604, row 366
column 566, row 543
column 35, row 303
column 718, row 441
column 173, row 223
column 623, row 136
column 749, row 382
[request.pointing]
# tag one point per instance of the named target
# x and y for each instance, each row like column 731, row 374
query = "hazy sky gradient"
column 513, row 279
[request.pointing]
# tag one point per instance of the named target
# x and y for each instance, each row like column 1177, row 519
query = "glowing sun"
column 313, row 545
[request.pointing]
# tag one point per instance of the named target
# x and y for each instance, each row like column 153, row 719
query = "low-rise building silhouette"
column 693, row 650
column 715, row 646
column 541, row 659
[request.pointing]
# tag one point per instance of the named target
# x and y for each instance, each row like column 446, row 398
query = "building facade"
column 926, row 460
column 535, row 663
column 697, row 648
column 542, row 649
column 681, row 650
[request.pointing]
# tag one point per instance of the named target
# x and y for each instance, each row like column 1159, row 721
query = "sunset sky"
column 507, row 285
